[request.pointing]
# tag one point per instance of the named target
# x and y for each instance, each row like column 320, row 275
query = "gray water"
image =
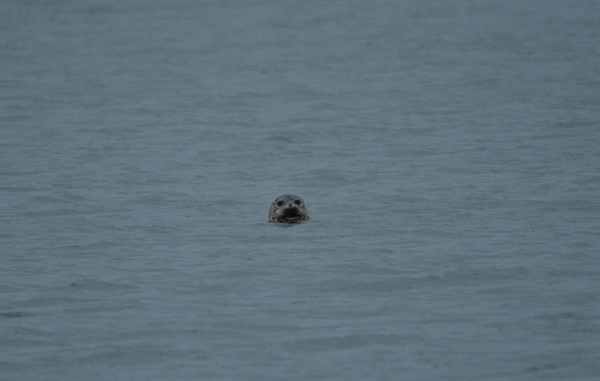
column 448, row 152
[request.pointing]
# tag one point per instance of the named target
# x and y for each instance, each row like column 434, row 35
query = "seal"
column 288, row 208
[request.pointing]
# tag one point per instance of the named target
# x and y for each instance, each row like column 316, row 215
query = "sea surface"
column 448, row 152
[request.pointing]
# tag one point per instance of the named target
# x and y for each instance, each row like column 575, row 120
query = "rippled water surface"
column 448, row 153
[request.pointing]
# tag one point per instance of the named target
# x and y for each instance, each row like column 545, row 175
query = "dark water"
column 449, row 154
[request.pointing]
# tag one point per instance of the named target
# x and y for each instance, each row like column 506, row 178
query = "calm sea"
column 448, row 152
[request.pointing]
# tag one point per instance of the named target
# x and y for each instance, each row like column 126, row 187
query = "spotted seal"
column 288, row 208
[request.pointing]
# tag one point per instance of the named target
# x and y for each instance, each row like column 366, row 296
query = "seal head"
column 288, row 208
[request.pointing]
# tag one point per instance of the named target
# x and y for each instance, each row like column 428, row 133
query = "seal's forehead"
column 287, row 198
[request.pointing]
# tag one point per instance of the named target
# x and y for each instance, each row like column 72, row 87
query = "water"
column 448, row 152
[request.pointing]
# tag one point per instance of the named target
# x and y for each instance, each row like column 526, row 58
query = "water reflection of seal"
column 288, row 208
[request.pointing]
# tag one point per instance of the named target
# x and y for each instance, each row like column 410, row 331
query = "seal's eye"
column 279, row 203
column 298, row 202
